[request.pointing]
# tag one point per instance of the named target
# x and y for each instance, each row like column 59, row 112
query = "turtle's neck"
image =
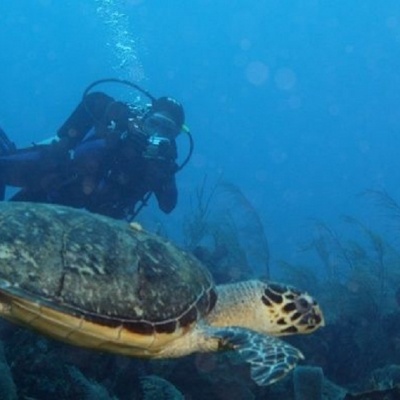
column 238, row 304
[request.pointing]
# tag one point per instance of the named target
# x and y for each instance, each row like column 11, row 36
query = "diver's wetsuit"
column 102, row 171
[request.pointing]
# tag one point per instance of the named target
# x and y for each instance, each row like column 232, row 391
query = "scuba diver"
column 108, row 157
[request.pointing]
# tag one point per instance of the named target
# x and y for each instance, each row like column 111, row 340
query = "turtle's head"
column 290, row 311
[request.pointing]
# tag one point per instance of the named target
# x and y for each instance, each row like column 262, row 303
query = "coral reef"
column 88, row 388
column 308, row 383
column 225, row 231
column 8, row 390
column 156, row 388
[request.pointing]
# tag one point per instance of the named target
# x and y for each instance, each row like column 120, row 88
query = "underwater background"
column 294, row 107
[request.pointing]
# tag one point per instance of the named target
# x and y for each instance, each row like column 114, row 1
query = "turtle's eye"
column 303, row 305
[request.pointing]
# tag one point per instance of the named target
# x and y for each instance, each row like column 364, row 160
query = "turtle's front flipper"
column 270, row 359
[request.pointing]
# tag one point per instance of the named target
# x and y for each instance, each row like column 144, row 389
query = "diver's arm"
column 161, row 176
column 90, row 110
column 166, row 193
column 96, row 110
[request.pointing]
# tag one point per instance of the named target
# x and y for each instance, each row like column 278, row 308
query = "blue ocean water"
column 296, row 103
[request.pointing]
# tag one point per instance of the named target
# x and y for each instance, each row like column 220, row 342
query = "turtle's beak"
column 311, row 317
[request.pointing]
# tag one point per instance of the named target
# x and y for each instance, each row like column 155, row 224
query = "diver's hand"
column 139, row 141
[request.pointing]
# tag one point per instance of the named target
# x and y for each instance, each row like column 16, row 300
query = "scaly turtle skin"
column 103, row 284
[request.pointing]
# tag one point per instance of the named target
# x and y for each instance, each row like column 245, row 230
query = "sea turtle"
column 103, row 284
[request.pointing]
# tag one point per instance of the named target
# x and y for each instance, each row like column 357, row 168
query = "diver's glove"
column 139, row 141
column 6, row 145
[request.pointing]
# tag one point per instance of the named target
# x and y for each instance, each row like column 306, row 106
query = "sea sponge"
column 156, row 388
column 8, row 390
column 308, row 383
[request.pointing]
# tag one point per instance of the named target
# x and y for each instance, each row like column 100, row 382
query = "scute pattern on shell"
column 102, row 269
